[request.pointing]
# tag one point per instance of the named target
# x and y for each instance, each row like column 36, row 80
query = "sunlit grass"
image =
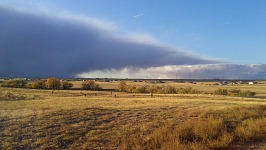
column 43, row 119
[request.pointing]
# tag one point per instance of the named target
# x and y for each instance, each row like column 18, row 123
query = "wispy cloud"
column 138, row 15
column 65, row 44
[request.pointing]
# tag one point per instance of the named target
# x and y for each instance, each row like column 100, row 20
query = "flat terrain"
column 77, row 119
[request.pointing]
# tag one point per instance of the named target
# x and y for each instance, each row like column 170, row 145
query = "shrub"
column 234, row 92
column 142, row 89
column 131, row 88
column 221, row 92
column 169, row 90
column 90, row 85
column 248, row 93
column 122, row 86
column 53, row 83
column 66, row 85
column 14, row 83
column 39, row 84
column 250, row 130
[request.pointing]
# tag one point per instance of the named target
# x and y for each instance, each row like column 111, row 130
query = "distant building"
column 2, row 80
column 253, row 82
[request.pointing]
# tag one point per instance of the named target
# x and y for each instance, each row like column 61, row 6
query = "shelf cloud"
column 65, row 45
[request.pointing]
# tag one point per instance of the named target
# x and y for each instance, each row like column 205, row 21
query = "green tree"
column 53, row 83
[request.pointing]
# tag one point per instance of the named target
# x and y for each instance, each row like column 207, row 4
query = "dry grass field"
column 69, row 119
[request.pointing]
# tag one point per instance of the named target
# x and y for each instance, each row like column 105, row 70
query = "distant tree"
column 39, row 84
column 234, row 92
column 66, row 85
column 14, row 83
column 131, row 88
column 248, row 93
column 53, row 83
column 169, row 90
column 142, row 89
column 90, row 85
column 122, row 86
column 152, row 89
column 97, row 87
column 221, row 92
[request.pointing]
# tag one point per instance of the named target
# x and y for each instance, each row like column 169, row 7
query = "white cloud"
column 138, row 15
column 204, row 71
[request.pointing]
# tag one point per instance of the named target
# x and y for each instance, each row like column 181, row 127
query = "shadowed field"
column 42, row 119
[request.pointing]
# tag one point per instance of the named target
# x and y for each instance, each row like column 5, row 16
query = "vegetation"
column 39, row 84
column 50, row 83
column 153, row 89
column 53, row 83
column 122, row 87
column 90, row 85
column 212, row 130
column 14, row 83
column 66, row 119
column 234, row 92
column 66, row 85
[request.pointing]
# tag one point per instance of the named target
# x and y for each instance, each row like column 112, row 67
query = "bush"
column 234, row 92
column 39, row 84
column 53, row 83
column 122, row 86
column 66, row 85
column 142, row 89
column 14, row 83
column 131, row 88
column 221, row 92
column 90, row 85
column 248, row 93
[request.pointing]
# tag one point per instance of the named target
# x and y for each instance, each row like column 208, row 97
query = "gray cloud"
column 34, row 45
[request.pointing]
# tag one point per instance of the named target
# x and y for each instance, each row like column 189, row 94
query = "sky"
column 133, row 38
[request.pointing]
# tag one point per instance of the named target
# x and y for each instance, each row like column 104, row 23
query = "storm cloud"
column 64, row 45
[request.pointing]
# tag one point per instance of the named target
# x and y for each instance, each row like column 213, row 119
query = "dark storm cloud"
column 34, row 45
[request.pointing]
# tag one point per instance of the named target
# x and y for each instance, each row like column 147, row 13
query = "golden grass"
column 42, row 119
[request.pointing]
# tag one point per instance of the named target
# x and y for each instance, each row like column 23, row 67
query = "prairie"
column 78, row 119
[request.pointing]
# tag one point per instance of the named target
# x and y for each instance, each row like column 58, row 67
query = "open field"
column 69, row 119
column 210, row 86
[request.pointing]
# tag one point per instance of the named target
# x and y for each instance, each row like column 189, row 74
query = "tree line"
column 56, row 84
column 155, row 89
column 124, row 87
column 49, row 83
column 234, row 92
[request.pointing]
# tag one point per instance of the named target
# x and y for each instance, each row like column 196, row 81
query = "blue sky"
column 210, row 32
column 230, row 30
